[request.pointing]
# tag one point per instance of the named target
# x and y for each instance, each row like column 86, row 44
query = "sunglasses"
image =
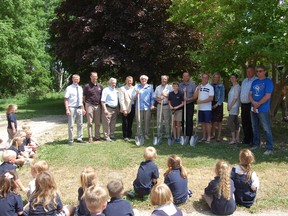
column 260, row 71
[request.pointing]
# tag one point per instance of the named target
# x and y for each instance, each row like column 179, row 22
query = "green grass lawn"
column 121, row 160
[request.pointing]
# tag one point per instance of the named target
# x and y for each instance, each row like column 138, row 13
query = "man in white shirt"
column 161, row 96
column 74, row 108
column 109, row 102
column 204, row 94
column 246, row 105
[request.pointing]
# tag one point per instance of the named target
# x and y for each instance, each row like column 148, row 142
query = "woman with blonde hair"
column 12, row 121
column 245, row 179
column 88, row 178
column 161, row 197
column 219, row 193
column 176, row 179
column 217, row 106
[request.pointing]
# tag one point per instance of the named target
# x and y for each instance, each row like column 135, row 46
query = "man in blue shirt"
column 259, row 95
column 145, row 93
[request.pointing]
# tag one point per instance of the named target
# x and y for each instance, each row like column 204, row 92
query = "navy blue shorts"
column 205, row 116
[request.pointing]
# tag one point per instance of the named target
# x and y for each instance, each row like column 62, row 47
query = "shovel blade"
column 137, row 140
column 142, row 140
column 170, row 142
column 186, row 140
column 194, row 140
column 182, row 140
column 155, row 140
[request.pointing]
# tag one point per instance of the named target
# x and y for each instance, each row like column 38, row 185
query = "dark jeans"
column 127, row 122
column 189, row 119
column 246, row 123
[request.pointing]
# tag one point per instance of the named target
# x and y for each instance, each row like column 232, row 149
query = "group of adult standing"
column 102, row 105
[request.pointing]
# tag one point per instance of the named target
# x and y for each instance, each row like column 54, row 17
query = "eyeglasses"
column 260, row 71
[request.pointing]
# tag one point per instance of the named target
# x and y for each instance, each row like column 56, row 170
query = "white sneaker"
column 254, row 148
column 268, row 152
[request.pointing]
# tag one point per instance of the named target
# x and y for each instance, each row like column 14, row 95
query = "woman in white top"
column 233, row 108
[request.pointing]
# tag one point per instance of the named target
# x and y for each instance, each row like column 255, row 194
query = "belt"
column 246, row 103
column 111, row 107
column 78, row 107
column 163, row 104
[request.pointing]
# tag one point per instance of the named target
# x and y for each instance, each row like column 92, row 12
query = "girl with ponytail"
column 219, row 193
column 245, row 179
column 176, row 179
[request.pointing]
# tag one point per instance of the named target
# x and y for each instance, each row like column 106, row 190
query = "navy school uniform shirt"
column 82, row 208
column 163, row 213
column 118, row 207
column 6, row 166
column 11, row 117
column 147, row 171
column 221, row 206
column 177, row 184
column 11, row 205
column 39, row 210
column 175, row 99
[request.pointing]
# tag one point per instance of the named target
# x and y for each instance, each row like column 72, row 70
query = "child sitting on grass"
column 117, row 205
column 9, row 158
column 245, row 179
column 147, row 174
column 21, row 156
column 175, row 101
column 176, row 179
column 96, row 200
column 45, row 200
column 161, row 197
column 36, row 168
column 30, row 143
column 219, row 193
column 10, row 201
column 88, row 178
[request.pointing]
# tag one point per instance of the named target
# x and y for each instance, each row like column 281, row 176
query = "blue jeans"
column 264, row 120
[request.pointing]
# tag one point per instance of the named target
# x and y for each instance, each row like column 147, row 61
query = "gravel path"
column 49, row 128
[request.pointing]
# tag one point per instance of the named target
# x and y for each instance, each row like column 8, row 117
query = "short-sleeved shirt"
column 74, row 99
column 190, row 88
column 177, row 184
column 11, row 205
column 118, row 206
column 259, row 89
column 221, row 206
column 11, row 117
column 13, row 148
column 167, row 210
column 92, row 93
column 110, row 96
column 39, row 210
column 5, row 166
column 234, row 93
column 204, row 93
column 159, row 89
column 175, row 99
column 147, row 171
column 82, row 208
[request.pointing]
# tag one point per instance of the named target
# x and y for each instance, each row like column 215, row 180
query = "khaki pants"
column 93, row 113
column 75, row 114
column 109, row 122
column 166, row 119
column 145, row 116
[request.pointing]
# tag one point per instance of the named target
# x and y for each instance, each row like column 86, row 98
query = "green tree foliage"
column 24, row 62
column 236, row 32
column 129, row 37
